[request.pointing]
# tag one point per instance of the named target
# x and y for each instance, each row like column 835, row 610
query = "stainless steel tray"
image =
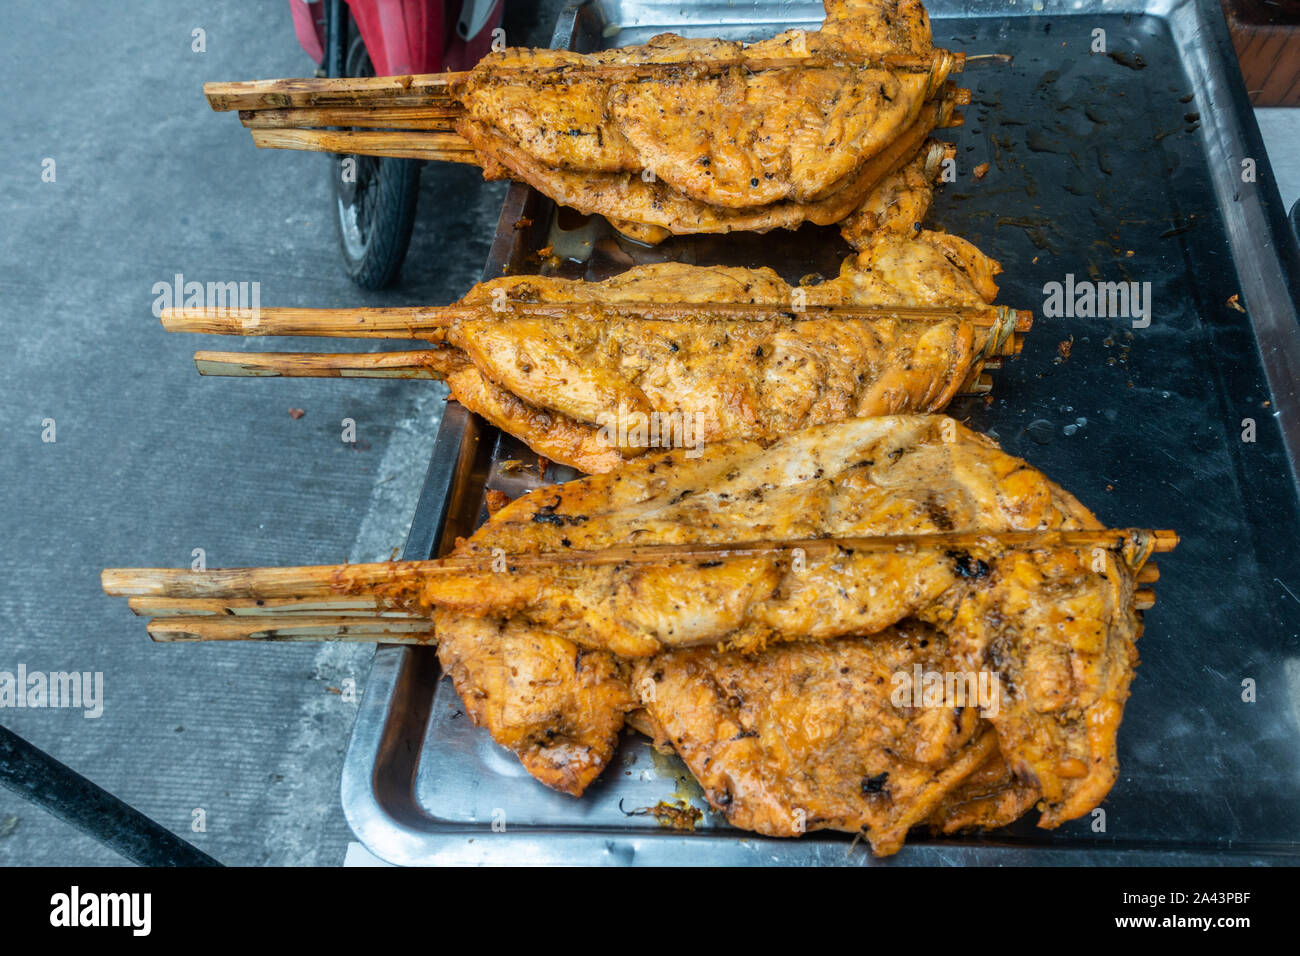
column 1091, row 157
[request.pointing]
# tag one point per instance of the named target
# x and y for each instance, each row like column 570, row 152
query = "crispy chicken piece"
column 1055, row 626
column 989, row 798
column 656, row 209
column 897, row 475
column 876, row 27
column 700, row 151
column 808, row 736
column 899, row 203
column 583, row 389
column 558, row 707
column 1066, row 666
column 776, row 738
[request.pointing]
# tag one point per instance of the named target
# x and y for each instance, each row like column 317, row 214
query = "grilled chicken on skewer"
column 602, row 382
column 581, row 606
column 673, row 136
column 1063, row 654
column 806, row 736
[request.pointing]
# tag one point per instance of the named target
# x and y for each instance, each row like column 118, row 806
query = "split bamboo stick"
column 432, row 364
column 444, row 147
column 292, row 629
column 436, row 89
column 420, row 322
column 349, row 580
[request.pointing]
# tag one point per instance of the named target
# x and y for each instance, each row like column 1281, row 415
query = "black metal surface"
column 32, row 773
column 1097, row 169
column 1092, row 160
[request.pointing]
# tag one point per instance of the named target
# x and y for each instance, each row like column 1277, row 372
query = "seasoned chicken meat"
column 714, row 146
column 582, row 389
column 807, row 737
column 776, row 683
column 899, row 202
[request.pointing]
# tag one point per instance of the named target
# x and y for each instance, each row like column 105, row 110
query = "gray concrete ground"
column 150, row 461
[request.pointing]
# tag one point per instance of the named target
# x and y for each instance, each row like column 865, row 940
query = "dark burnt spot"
column 874, row 784
column 967, row 566
column 939, row 515
column 546, row 515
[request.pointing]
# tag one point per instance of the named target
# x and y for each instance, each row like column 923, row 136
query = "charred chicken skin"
column 778, row 684
column 563, row 384
column 709, row 149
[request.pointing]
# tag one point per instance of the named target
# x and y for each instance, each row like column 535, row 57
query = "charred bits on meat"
column 967, row 566
column 874, row 784
column 546, row 515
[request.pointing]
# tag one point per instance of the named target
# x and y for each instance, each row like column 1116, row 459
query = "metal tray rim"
column 395, row 829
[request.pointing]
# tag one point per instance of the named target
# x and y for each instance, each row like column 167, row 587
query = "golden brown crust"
column 1054, row 626
column 547, row 433
column 899, row 202
column 651, row 201
column 559, row 708
column 989, row 798
column 711, row 150
column 806, row 737
column 564, row 384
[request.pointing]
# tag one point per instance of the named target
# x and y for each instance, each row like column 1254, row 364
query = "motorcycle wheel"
column 374, row 197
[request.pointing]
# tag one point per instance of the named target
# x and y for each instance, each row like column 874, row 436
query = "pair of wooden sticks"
column 346, row 603
column 1005, row 338
column 414, row 117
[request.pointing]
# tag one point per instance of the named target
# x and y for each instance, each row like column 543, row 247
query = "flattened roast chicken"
column 674, row 136
column 778, row 684
column 710, row 149
column 559, row 383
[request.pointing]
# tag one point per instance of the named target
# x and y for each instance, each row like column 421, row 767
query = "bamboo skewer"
column 347, row 603
column 291, row 628
column 337, row 605
column 364, row 608
column 430, row 89
column 414, row 132
column 444, row 147
column 348, row 580
column 436, row 89
column 437, row 118
column 430, row 364
column 415, row 323
column 1003, row 339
